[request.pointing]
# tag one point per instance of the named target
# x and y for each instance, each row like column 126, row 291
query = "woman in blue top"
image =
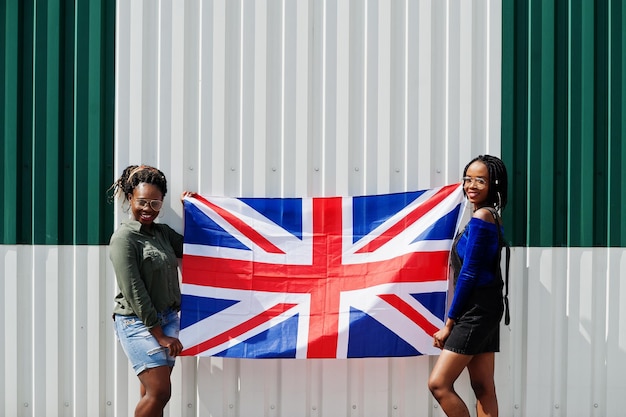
column 471, row 334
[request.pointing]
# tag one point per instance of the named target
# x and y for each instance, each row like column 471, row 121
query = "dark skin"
column 450, row 364
column 156, row 386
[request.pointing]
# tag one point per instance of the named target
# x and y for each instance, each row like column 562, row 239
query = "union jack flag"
column 328, row 277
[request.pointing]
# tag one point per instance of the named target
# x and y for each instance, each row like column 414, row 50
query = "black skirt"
column 478, row 328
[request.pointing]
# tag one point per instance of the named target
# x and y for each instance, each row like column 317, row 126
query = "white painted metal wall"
column 307, row 98
column 564, row 353
column 295, row 98
column 284, row 98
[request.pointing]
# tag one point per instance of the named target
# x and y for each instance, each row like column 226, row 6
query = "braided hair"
column 134, row 175
column 498, row 180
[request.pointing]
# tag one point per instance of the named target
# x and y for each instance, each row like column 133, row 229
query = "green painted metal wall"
column 56, row 120
column 564, row 121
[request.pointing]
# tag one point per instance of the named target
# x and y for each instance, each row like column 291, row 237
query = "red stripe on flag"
column 411, row 218
column 412, row 314
column 246, row 275
column 237, row 331
column 240, row 225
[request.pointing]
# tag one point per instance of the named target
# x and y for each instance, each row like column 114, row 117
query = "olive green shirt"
column 146, row 268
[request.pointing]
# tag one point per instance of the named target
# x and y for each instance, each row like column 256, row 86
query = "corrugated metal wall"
column 255, row 98
column 563, row 112
column 289, row 98
column 563, row 355
column 294, row 98
column 56, row 120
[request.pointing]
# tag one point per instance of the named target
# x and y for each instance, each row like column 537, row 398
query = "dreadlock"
column 498, row 179
column 134, row 175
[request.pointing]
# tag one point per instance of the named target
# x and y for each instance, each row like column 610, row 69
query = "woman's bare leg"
column 447, row 369
column 156, row 390
column 481, row 370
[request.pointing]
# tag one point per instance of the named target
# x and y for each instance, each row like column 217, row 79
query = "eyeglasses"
column 479, row 182
column 154, row 204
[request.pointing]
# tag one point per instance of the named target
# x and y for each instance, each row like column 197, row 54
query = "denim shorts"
column 140, row 346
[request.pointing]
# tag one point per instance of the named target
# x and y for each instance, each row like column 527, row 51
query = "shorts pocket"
column 134, row 328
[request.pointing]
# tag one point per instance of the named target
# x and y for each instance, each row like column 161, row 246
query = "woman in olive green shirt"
column 144, row 255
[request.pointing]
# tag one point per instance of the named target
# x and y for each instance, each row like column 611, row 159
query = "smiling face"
column 476, row 184
column 140, row 203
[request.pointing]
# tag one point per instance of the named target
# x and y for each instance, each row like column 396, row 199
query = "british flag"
column 328, row 277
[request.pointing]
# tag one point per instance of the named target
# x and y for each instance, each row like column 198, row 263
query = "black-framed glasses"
column 479, row 182
column 154, row 204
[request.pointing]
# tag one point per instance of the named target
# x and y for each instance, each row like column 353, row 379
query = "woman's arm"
column 482, row 244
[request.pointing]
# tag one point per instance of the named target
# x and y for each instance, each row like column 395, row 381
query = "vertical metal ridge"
column 616, row 86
